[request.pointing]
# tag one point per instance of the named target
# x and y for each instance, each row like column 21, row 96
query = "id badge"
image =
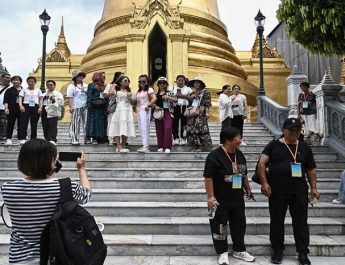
column 296, row 170
column 32, row 103
column 17, row 100
column 45, row 102
column 166, row 104
column 237, row 182
column 305, row 104
column 101, row 95
column 83, row 97
column 196, row 102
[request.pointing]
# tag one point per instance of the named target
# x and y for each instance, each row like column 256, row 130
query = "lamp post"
column 260, row 22
column 45, row 20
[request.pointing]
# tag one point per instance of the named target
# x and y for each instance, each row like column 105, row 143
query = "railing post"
column 326, row 91
column 293, row 82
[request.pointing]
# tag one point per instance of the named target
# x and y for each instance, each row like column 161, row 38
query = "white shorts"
column 310, row 124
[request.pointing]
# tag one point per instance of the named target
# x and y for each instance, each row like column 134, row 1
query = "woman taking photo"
column 121, row 125
column 198, row 133
column 239, row 109
column 11, row 103
column 96, row 125
column 41, row 193
column 145, row 100
column 164, row 124
column 52, row 103
column 30, row 105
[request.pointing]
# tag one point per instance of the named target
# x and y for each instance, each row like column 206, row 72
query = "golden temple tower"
column 161, row 37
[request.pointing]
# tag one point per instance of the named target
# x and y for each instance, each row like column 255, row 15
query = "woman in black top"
column 164, row 125
column 12, row 107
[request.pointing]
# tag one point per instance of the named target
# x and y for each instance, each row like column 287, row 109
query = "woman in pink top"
column 145, row 100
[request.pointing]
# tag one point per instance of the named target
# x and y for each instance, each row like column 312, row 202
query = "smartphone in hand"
column 69, row 156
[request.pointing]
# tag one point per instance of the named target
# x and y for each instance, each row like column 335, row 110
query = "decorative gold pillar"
column 178, row 61
column 135, row 53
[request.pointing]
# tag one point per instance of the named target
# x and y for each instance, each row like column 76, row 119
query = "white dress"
column 122, row 122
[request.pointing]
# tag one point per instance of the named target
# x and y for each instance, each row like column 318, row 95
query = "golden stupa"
column 161, row 37
column 168, row 38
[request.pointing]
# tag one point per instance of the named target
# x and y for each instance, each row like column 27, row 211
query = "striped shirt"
column 31, row 205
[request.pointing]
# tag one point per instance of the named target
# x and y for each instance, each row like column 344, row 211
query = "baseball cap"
column 292, row 122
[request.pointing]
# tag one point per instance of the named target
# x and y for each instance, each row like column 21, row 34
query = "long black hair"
column 118, row 83
column 146, row 88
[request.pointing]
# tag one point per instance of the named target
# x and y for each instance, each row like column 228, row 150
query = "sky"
column 21, row 36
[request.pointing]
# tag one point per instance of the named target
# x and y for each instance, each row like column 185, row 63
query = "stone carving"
column 142, row 15
column 335, row 125
column 343, row 129
column 55, row 57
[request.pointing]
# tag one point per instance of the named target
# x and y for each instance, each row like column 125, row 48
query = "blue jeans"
column 341, row 196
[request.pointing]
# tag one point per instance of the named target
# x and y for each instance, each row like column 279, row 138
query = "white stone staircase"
column 155, row 205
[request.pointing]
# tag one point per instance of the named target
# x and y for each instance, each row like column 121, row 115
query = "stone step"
column 145, row 164
column 176, row 148
column 172, row 156
column 203, row 260
column 98, row 173
column 201, row 245
column 175, row 183
column 200, row 225
column 195, row 209
column 171, row 195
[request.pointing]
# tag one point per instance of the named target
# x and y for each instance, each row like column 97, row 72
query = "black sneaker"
column 277, row 257
column 303, row 259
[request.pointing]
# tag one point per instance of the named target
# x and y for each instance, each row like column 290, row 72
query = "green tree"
column 318, row 25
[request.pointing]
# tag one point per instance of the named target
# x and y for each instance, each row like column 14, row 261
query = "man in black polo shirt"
column 290, row 162
column 225, row 181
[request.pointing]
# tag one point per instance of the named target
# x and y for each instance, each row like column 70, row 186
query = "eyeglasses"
column 142, row 81
column 50, row 84
column 160, row 83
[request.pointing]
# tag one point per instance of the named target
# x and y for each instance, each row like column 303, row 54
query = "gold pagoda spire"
column 61, row 44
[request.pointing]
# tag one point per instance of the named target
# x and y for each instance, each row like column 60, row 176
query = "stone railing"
column 336, row 126
column 271, row 114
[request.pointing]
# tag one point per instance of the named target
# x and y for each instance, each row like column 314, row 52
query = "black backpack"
column 72, row 236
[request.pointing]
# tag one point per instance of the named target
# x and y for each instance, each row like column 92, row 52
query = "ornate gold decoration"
column 55, row 56
column 267, row 51
column 343, row 70
column 143, row 16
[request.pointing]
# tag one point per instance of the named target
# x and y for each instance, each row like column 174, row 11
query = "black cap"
column 292, row 122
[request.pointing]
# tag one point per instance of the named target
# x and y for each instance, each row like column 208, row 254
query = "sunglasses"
column 142, row 82
column 50, row 84
column 125, row 80
column 294, row 129
column 160, row 83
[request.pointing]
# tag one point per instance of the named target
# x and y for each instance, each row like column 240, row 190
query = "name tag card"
column 32, row 103
column 45, row 102
column 237, row 182
column 296, row 170
column 82, row 97
column 196, row 102
column 166, row 104
column 101, row 95
column 305, row 104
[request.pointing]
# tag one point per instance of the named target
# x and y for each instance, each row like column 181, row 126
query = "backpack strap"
column 65, row 190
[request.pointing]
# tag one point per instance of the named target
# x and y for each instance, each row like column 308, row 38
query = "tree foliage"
column 318, row 25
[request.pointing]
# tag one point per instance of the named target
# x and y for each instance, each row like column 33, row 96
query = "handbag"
column 158, row 114
column 191, row 111
column 112, row 105
column 256, row 177
column 98, row 102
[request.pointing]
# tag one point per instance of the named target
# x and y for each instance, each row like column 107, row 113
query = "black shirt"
column 280, row 167
column 11, row 97
column 160, row 100
column 218, row 165
column 311, row 107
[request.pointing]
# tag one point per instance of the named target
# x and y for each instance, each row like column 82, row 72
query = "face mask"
column 58, row 166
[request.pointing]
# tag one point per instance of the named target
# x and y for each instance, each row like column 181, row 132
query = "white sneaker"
column 53, row 142
column 243, row 256
column 176, row 141
column 124, row 150
column 144, row 149
column 224, row 259
column 75, row 142
column 8, row 142
column 22, row 141
column 183, row 141
column 160, row 150
column 243, row 143
column 336, row 201
column 167, row 151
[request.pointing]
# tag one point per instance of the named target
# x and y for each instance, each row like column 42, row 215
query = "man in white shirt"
column 5, row 84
